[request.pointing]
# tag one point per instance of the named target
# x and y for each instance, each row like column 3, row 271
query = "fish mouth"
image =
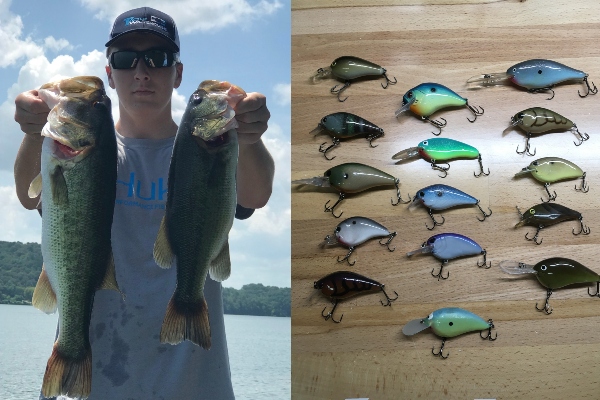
column 63, row 150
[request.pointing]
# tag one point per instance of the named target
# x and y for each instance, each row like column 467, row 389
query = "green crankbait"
column 450, row 322
column 555, row 273
column 547, row 214
column 442, row 149
column 347, row 68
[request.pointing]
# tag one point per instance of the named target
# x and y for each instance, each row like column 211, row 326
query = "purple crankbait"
column 448, row 246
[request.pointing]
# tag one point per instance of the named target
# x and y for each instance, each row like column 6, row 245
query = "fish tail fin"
column 44, row 298
column 186, row 322
column 163, row 254
column 68, row 376
column 220, row 266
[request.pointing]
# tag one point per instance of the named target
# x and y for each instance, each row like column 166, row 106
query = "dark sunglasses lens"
column 158, row 59
column 124, row 59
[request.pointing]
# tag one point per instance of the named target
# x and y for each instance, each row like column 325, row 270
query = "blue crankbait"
column 440, row 197
column 448, row 246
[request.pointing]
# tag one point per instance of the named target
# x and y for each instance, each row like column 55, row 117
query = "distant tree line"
column 21, row 264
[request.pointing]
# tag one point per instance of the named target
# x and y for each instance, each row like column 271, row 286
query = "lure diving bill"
column 343, row 284
column 348, row 68
column 547, row 214
column 441, row 149
column 448, row 323
column 427, row 98
column 554, row 273
column 537, row 75
column 351, row 178
column 448, row 246
column 553, row 169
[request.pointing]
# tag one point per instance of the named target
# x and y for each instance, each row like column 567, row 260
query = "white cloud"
column 283, row 94
column 18, row 224
column 56, row 45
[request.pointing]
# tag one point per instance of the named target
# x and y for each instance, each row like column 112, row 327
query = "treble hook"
column 399, row 200
column 489, row 334
column 388, row 81
column 437, row 124
column 439, row 353
column 435, row 223
column 583, row 187
column 582, row 137
column 484, row 261
column 387, row 244
column 340, row 90
column 550, row 197
column 481, row 168
column 583, row 229
column 597, row 290
column 534, row 239
column 330, row 314
column 526, row 151
column 483, row 212
column 475, row 111
column 374, row 136
column 335, row 141
column 440, row 168
column 330, row 209
column 546, row 308
column 346, row 257
column 590, row 90
column 389, row 300
column 439, row 275
column 543, row 90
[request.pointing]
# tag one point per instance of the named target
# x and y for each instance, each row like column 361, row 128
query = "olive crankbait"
column 547, row 214
column 343, row 125
column 343, row 284
column 555, row 273
column 441, row 149
column 347, row 68
column 357, row 230
column 427, row 98
column 553, row 169
column 440, row 197
column 540, row 120
column 450, row 322
column 353, row 178
column 536, row 76
column 448, row 246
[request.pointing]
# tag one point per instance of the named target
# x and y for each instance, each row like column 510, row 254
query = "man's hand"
column 31, row 112
column 252, row 116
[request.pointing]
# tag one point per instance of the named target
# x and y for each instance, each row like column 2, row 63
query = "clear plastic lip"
column 406, row 154
column 486, row 80
column 516, row 268
column 422, row 250
column 415, row 326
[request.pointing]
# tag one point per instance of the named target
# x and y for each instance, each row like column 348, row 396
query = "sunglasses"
column 154, row 58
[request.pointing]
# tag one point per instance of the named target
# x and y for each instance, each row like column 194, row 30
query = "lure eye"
column 432, row 90
column 532, row 211
column 328, row 172
column 424, row 142
column 432, row 240
column 409, row 95
column 539, row 71
column 451, row 323
column 536, row 163
column 345, row 176
column 324, row 120
column 353, row 222
column 338, row 229
column 543, row 268
column 430, row 316
column 520, row 116
column 514, row 70
column 439, row 193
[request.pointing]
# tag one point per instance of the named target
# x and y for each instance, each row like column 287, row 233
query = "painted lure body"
column 553, row 169
column 546, row 214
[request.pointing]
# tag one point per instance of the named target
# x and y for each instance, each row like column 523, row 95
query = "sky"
column 246, row 42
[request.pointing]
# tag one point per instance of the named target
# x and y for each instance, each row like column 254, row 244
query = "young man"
column 129, row 362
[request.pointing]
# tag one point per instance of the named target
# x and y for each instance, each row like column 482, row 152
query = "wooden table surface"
column 366, row 355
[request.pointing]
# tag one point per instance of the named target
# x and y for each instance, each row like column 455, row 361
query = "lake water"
column 259, row 353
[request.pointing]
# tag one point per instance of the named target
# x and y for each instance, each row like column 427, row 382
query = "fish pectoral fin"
column 110, row 278
column 35, row 187
column 163, row 254
column 44, row 298
column 58, row 184
column 220, row 266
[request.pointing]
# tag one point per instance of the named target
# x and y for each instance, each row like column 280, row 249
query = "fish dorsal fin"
column 110, row 278
column 220, row 266
column 58, row 184
column 44, row 298
column 163, row 254
column 35, row 187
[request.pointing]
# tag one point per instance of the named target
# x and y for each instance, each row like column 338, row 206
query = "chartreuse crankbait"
column 353, row 178
column 553, row 169
column 343, row 284
column 547, row 214
column 441, row 197
column 541, row 120
column 427, row 98
column 450, row 322
column 441, row 149
column 536, row 75
column 555, row 273
column 448, row 246
column 357, row 230
column 348, row 68
column 343, row 125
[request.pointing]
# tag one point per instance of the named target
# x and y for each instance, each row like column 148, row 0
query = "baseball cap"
column 145, row 19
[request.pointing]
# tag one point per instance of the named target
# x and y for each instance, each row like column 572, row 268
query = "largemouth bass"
column 201, row 202
column 78, row 184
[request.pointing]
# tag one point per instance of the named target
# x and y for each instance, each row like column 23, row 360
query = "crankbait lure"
column 343, row 284
column 442, row 149
column 450, row 322
column 553, row 169
column 536, row 75
column 555, row 273
column 353, row 178
column 547, row 214
column 342, row 125
column 347, row 68
column 448, row 246
column 427, row 98
column 540, row 120
column 441, row 197
column 357, row 230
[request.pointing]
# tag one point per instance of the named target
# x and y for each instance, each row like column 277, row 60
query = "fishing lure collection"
column 424, row 100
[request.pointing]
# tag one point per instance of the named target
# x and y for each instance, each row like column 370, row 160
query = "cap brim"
column 166, row 38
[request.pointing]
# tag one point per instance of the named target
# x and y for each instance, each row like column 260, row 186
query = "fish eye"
column 543, row 268
column 333, row 63
column 532, row 211
column 451, row 323
column 539, row 71
column 354, row 222
column 514, row 70
column 432, row 90
column 439, row 193
column 535, row 163
column 324, row 119
column 421, row 194
column 424, row 142
column 339, row 228
column 345, row 176
column 409, row 94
